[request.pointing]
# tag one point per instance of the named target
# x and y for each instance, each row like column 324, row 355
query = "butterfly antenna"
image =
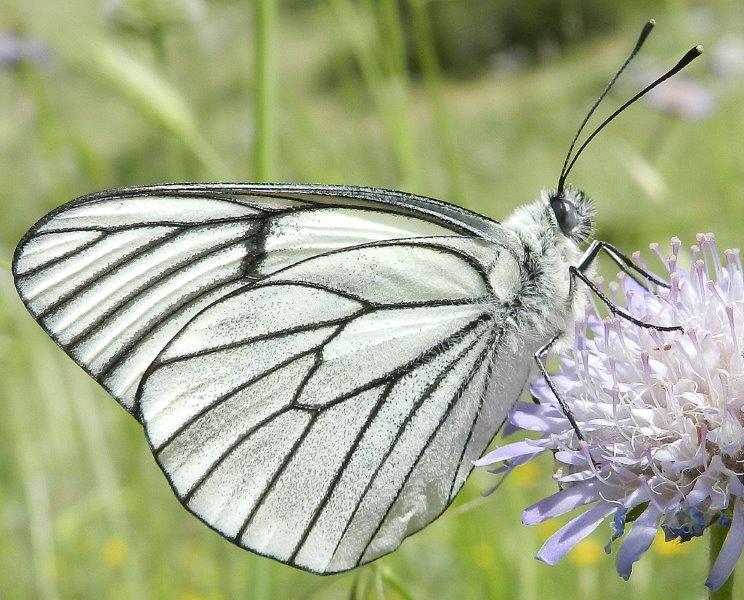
column 641, row 39
column 691, row 55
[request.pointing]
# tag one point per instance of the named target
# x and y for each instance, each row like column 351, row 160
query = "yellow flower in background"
column 190, row 554
column 527, row 474
column 548, row 528
column 483, row 556
column 114, row 552
column 587, row 552
column 195, row 596
column 671, row 548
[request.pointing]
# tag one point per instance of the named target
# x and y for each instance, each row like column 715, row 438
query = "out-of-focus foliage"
column 147, row 18
column 146, row 91
column 483, row 34
column 468, row 41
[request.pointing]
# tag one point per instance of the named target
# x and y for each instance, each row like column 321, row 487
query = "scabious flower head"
column 661, row 414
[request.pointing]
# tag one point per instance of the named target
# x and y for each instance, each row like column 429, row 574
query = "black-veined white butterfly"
column 315, row 367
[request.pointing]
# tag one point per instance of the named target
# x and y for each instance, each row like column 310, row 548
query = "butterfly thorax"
column 547, row 302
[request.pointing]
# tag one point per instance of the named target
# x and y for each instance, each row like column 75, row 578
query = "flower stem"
column 263, row 15
column 717, row 537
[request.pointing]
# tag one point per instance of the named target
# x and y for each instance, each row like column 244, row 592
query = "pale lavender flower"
column 661, row 414
column 15, row 50
column 684, row 98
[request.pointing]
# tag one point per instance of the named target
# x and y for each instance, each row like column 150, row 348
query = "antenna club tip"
column 644, row 34
column 691, row 55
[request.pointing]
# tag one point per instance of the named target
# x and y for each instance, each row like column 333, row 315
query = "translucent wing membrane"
column 312, row 364
column 325, row 413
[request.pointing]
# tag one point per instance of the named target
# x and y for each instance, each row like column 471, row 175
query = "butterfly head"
column 573, row 213
column 571, row 208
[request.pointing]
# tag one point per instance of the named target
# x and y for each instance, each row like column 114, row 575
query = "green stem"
column 385, row 82
column 397, row 84
column 444, row 126
column 263, row 15
column 717, row 537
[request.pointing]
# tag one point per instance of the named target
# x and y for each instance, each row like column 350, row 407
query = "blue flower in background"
column 15, row 50
column 662, row 415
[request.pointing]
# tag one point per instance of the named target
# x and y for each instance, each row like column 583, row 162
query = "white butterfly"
column 315, row 367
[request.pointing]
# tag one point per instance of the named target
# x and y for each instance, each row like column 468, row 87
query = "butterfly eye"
column 565, row 214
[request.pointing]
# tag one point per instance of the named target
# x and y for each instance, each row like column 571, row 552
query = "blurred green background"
column 471, row 101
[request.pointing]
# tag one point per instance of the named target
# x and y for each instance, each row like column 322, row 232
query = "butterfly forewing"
column 114, row 276
column 311, row 364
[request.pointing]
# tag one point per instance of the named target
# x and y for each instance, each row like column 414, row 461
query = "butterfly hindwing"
column 325, row 413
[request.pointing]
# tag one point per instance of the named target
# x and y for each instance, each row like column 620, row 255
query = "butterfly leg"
column 622, row 261
column 578, row 273
column 539, row 356
column 614, row 308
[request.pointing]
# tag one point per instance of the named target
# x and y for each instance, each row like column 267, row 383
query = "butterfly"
column 315, row 367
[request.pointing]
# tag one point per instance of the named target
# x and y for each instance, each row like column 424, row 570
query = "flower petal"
column 570, row 458
column 638, row 540
column 538, row 417
column 730, row 551
column 556, row 547
column 561, row 503
column 510, row 451
column 508, row 429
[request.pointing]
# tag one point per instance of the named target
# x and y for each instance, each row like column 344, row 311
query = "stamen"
column 607, row 326
column 733, row 267
column 647, row 377
column 674, row 288
column 580, row 327
column 700, row 278
column 694, row 254
column 654, row 247
column 713, row 247
column 636, row 256
column 737, row 256
column 593, row 303
column 676, row 245
column 715, row 292
column 732, row 327
column 725, row 393
column 671, row 264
